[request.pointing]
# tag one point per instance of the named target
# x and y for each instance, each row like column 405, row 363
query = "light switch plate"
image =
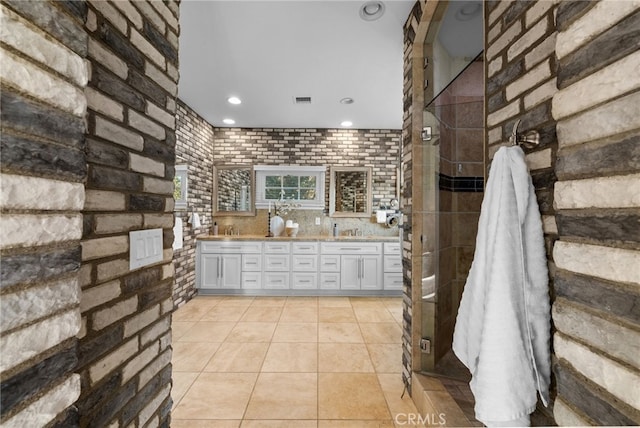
column 145, row 247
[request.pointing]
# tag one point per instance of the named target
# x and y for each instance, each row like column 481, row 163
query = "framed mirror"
column 350, row 192
column 233, row 188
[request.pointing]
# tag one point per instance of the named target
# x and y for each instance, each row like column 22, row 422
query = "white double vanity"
column 251, row 265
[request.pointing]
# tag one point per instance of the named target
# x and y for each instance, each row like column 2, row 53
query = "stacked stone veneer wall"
column 563, row 68
column 597, row 202
column 194, row 147
column 411, row 158
column 124, row 350
column 43, row 74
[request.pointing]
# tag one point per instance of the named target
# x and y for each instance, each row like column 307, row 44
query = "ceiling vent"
column 302, row 100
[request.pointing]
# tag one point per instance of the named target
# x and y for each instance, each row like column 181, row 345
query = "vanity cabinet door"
column 371, row 274
column 350, row 273
column 210, row 271
column 221, row 271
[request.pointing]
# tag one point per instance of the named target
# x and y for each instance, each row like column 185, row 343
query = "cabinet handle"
column 222, row 268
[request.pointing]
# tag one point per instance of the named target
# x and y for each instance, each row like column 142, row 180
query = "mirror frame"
column 332, row 191
column 214, row 199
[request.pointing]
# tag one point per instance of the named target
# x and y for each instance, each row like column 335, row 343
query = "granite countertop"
column 325, row 238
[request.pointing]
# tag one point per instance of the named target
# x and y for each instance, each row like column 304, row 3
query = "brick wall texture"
column 42, row 172
column 565, row 70
column 88, row 119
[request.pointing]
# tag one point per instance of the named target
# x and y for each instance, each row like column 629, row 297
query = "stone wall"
column 194, row 147
column 44, row 74
column 564, row 68
column 597, row 202
column 413, row 96
column 124, row 349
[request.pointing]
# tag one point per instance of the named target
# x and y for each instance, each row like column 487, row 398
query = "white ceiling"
column 269, row 52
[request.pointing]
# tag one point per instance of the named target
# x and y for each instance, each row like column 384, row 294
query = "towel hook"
column 529, row 139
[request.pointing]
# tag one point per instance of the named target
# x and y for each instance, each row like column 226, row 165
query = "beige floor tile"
column 262, row 313
column 291, row 357
column 296, row 332
column 308, row 301
column 216, row 396
column 192, row 356
column 181, row 382
column 381, row 332
column 279, row 423
column 355, row 424
column 204, row 423
column 284, row 396
column 392, row 388
column 238, row 357
column 373, row 302
column 225, row 313
column 179, row 328
column 299, row 313
column 386, row 357
column 193, row 312
column 208, row 331
column 269, row 301
column 344, row 357
column 336, row 314
column 252, row 332
column 444, row 404
column 351, row 396
column 339, row 332
column 373, row 314
column 237, row 300
column 334, row 302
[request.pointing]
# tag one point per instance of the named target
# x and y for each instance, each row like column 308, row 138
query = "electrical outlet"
column 317, row 221
column 425, row 346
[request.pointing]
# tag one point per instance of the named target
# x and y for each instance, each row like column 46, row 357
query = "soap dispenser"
column 335, row 229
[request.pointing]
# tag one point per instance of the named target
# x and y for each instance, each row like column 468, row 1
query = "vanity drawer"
column 305, row 248
column 330, row 263
column 277, row 247
column 351, row 248
column 392, row 264
column 230, row 247
column 251, row 262
column 304, row 280
column 393, row 281
column 330, row 280
column 392, row 248
column 276, row 262
column 276, row 280
column 251, row 280
column 308, row 263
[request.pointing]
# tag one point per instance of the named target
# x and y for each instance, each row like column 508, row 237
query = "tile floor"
column 288, row 362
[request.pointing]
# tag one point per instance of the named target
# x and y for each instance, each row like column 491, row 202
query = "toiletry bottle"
column 215, row 228
column 335, row 229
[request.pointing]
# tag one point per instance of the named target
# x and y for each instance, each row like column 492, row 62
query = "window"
column 303, row 185
column 180, row 187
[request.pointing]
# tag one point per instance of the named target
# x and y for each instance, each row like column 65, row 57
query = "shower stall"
column 452, row 170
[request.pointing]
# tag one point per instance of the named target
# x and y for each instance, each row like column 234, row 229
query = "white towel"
column 381, row 216
column 502, row 328
column 195, row 221
column 177, row 234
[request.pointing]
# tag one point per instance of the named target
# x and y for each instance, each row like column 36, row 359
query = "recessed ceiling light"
column 468, row 11
column 346, row 100
column 372, row 10
column 234, row 100
column 228, row 121
column 346, row 123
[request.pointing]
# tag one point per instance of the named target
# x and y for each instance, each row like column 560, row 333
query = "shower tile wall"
column 460, row 108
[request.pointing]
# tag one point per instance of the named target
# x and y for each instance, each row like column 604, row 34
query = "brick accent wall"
column 597, row 255
column 124, row 350
column 194, row 147
column 42, row 194
column 563, row 68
